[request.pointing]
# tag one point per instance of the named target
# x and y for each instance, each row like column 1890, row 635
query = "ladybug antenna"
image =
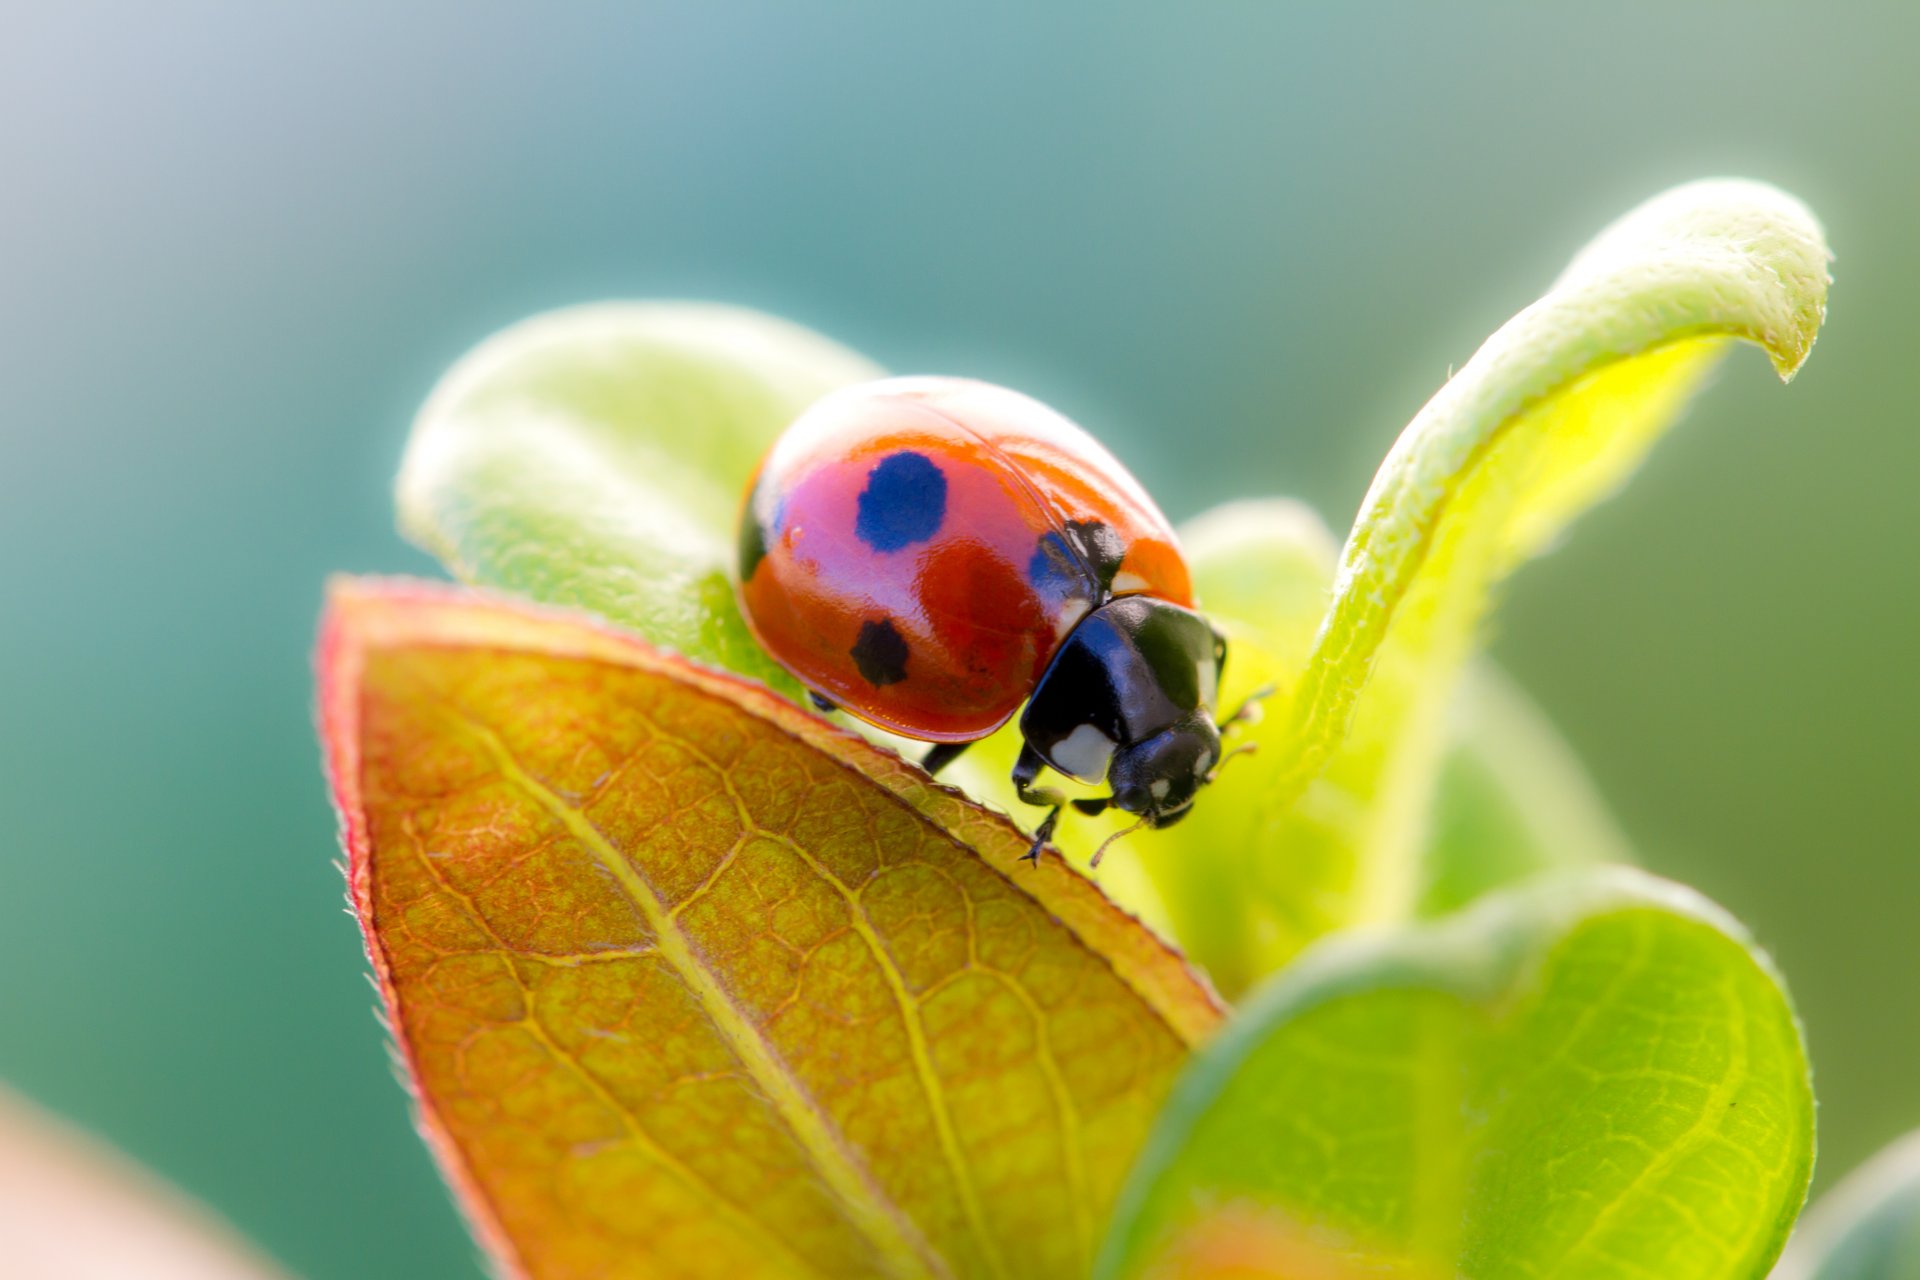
column 1101, row 852
column 1244, row 749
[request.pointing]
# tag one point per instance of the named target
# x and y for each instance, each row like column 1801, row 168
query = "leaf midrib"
column 904, row 1002
column 751, row 1228
column 883, row 1223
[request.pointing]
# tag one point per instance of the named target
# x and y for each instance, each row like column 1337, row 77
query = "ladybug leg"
column 1041, row 834
column 1025, row 771
column 825, row 706
column 942, row 754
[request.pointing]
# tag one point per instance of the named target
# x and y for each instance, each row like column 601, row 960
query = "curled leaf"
column 1595, row 1075
column 1511, row 800
column 690, row 982
column 1551, row 414
column 1330, row 825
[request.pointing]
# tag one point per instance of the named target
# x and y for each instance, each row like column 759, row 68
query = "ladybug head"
column 1157, row 778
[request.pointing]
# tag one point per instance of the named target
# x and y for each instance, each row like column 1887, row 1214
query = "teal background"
column 1242, row 242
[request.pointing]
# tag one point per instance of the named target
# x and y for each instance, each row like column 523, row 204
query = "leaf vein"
column 886, row 1226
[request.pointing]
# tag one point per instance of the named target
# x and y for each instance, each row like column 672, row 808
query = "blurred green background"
column 1241, row 242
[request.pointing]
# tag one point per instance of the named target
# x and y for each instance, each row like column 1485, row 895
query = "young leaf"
column 1867, row 1228
column 1261, row 570
column 71, row 1209
column 1512, row 801
column 1327, row 823
column 596, row 457
column 1595, row 1075
column 692, row 983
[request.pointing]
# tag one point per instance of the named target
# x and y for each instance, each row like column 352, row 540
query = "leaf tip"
column 1752, row 238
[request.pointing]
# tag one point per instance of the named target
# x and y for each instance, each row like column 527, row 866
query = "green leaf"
column 596, row 457
column 1867, row 1228
column 1239, row 904
column 1551, row 414
column 1333, row 823
column 1595, row 1075
column 1512, row 800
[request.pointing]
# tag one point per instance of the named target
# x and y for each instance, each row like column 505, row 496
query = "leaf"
column 1595, row 1075
column 1550, row 415
column 692, row 983
column 1325, row 828
column 1559, row 406
column 1867, row 1228
column 596, row 457
column 1511, row 800
column 1261, row 571
column 72, row 1209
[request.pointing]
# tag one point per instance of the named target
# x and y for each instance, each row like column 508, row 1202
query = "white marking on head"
column 1070, row 616
column 1209, row 684
column 1126, row 581
column 1083, row 754
column 1159, row 787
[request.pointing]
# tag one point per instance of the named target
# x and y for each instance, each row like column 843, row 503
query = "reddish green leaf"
column 692, row 983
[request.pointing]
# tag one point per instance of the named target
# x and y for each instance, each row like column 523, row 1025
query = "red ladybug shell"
column 915, row 549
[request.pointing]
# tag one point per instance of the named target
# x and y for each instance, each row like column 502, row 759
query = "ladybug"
column 930, row 553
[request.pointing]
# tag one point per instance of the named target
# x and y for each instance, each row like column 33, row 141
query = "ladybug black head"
column 1130, row 697
column 1159, row 777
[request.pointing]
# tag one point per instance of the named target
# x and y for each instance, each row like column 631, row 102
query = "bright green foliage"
column 1592, row 1076
column 596, row 457
column 1554, row 411
column 1511, row 798
column 1868, row 1228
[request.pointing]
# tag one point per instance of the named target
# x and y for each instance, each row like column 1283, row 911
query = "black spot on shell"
column 1054, row 568
column 1066, row 559
column 904, row 502
column 880, row 653
column 1101, row 546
